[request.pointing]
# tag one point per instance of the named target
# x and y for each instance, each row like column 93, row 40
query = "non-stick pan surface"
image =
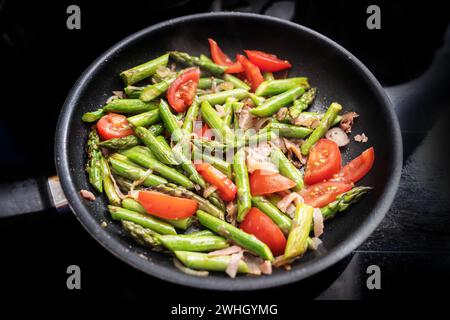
column 336, row 72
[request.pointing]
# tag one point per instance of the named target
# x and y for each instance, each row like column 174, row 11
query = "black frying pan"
column 336, row 72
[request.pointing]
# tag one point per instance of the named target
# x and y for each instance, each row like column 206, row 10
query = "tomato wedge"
column 320, row 194
column 252, row 72
column 182, row 91
column 324, row 161
column 165, row 206
column 222, row 59
column 112, row 126
column 266, row 61
column 260, row 225
column 225, row 187
column 356, row 169
column 263, row 183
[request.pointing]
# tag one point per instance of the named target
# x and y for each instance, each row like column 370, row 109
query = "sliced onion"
column 253, row 264
column 233, row 266
column 209, row 190
column 318, row 222
column 220, row 110
column 286, row 201
column 266, row 267
column 267, row 167
column 231, row 209
column 314, row 243
column 291, row 211
column 225, row 252
column 87, row 195
column 292, row 147
column 246, row 119
column 189, row 271
column 261, row 123
column 337, row 135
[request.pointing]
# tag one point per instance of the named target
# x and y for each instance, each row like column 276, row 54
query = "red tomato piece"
column 225, row 187
column 324, row 161
column 263, row 183
column 267, row 62
column 252, row 72
column 265, row 230
column 182, row 91
column 165, row 206
column 222, row 59
column 356, row 169
column 320, row 194
column 112, row 126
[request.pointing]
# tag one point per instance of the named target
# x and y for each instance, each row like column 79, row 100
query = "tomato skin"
column 225, row 187
column 260, row 225
column 267, row 62
column 320, row 194
column 324, row 161
column 261, row 184
column 252, row 72
column 165, row 206
column 182, row 91
column 222, row 59
column 113, row 125
column 356, row 169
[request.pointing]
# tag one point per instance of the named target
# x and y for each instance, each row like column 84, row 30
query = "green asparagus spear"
column 268, row 76
column 189, row 60
column 207, row 83
column 92, row 116
column 218, row 163
column 236, row 235
column 170, row 122
column 136, row 155
column 145, row 119
column 244, row 198
column 257, row 100
column 120, row 143
column 222, row 96
column 228, row 112
column 273, row 87
column 343, row 201
column 307, row 116
column 123, row 168
column 297, row 242
column 191, row 117
column 133, row 92
column 201, row 261
column 213, row 120
column 200, row 233
column 108, row 185
column 193, row 244
column 94, row 167
column 153, row 91
column 144, row 70
column 325, row 124
column 143, row 236
column 203, row 204
column 133, row 205
column 145, row 220
column 281, row 220
column 302, row 103
column 286, row 167
column 237, row 83
column 272, row 105
column 158, row 149
column 129, row 106
column 287, row 130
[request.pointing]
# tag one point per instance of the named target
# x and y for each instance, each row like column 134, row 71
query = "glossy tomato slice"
column 320, row 194
column 324, row 161
column 356, row 169
column 181, row 92
column 262, row 183
column 260, row 225
column 252, row 72
column 112, row 126
column 165, row 206
column 222, row 59
column 267, row 62
column 225, row 187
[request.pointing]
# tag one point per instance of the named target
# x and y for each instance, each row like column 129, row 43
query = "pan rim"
column 309, row 268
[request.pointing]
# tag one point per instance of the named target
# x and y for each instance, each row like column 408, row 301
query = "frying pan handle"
column 31, row 195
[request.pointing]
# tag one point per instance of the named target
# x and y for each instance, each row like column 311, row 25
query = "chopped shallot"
column 318, row 222
column 231, row 209
column 347, row 121
column 233, row 266
column 337, row 135
column 361, row 138
column 246, row 119
column 292, row 147
column 225, row 252
column 87, row 195
column 286, row 201
column 314, row 243
column 266, row 267
column 209, row 190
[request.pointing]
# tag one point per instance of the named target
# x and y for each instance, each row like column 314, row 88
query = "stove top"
column 42, row 59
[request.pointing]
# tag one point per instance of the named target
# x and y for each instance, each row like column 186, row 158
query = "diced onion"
column 337, row 135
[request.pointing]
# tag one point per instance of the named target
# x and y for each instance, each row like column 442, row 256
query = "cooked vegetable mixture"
column 218, row 163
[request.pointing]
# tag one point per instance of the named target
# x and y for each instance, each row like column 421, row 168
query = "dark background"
column 41, row 59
